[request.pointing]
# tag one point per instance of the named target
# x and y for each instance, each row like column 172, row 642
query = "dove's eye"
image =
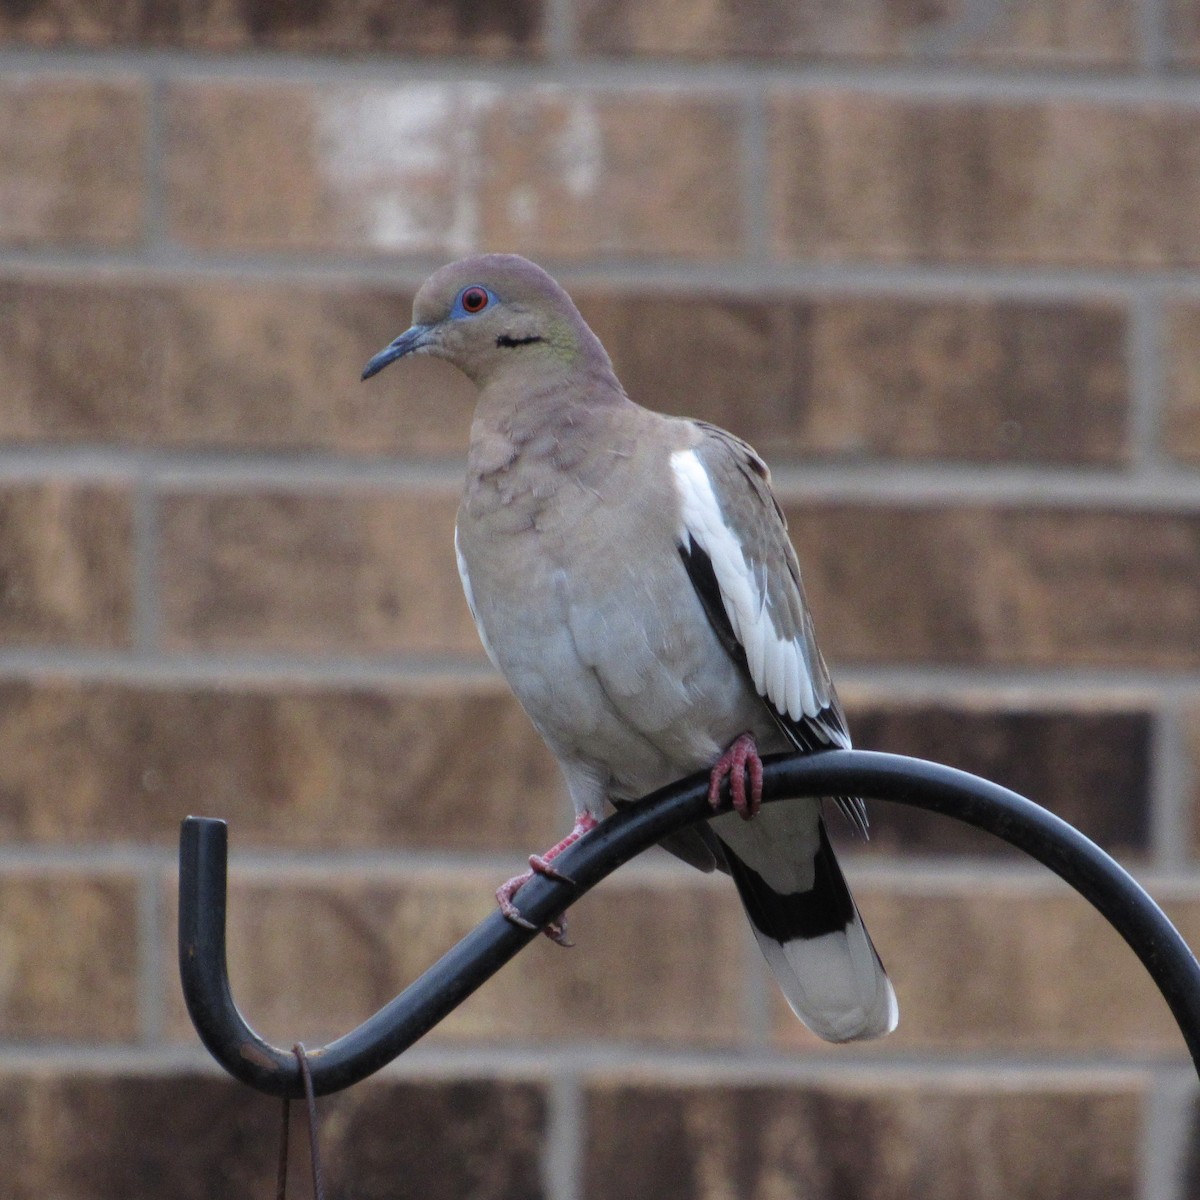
column 474, row 299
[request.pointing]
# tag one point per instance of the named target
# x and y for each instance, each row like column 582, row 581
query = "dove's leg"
column 540, row 864
column 740, row 760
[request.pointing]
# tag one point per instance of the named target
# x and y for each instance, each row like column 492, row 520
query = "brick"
column 197, row 365
column 878, row 1142
column 73, row 154
column 456, row 767
column 289, row 167
column 1091, row 767
column 866, row 176
column 462, row 768
column 1002, row 585
column 88, row 1137
column 363, row 572
column 1181, row 421
column 574, row 175
column 1034, row 32
column 487, row 29
column 994, row 966
column 480, row 1137
column 70, row 957
column 657, row 961
column 65, row 565
column 77, row 361
column 992, row 381
column 385, row 170
column 966, row 584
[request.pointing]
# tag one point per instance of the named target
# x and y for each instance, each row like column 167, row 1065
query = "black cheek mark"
column 508, row 342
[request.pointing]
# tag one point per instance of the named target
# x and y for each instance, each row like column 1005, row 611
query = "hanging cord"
column 318, row 1182
column 281, row 1170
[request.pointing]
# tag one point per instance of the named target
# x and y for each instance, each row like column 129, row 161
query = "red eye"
column 475, row 299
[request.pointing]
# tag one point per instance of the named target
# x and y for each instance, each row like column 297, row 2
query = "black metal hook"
column 396, row 1026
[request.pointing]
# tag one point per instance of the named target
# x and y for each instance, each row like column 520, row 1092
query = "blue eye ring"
column 472, row 299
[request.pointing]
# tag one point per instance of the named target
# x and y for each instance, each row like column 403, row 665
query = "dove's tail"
column 808, row 925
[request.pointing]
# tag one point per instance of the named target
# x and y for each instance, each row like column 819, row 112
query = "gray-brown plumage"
column 631, row 576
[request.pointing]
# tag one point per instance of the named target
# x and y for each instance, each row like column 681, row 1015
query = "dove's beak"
column 410, row 341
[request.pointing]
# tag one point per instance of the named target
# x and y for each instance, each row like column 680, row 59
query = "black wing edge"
column 806, row 734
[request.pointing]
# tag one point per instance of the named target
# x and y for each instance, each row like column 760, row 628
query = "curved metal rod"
column 396, row 1026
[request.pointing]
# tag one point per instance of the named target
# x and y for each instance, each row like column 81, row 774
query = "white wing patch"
column 778, row 668
column 466, row 587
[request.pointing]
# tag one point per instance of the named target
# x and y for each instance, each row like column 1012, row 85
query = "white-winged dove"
column 631, row 576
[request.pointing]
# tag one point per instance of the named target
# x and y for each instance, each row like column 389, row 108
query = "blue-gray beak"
column 410, row 340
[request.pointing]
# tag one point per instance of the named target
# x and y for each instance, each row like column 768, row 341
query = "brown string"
column 281, row 1171
column 314, row 1151
column 318, row 1182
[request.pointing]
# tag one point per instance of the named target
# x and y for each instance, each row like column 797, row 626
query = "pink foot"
column 740, row 760
column 540, row 864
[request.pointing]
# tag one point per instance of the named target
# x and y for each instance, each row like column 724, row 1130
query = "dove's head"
column 494, row 314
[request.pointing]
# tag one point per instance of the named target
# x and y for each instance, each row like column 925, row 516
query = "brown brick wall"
column 939, row 262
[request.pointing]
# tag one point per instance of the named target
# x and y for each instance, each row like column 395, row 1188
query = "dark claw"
column 556, row 931
column 513, row 914
column 543, row 867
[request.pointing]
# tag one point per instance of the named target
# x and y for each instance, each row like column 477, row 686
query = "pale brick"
column 384, row 170
column 879, row 1142
column 426, row 765
column 73, row 154
column 346, row 572
column 1029, row 32
column 65, row 565
column 656, row 962
column 858, row 176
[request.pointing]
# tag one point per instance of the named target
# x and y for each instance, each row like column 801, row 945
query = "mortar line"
column 561, row 34
column 917, row 875
column 1159, row 486
column 1095, row 686
column 915, row 485
column 647, row 1064
column 96, row 858
column 1166, row 1133
column 316, row 863
column 317, row 473
column 1002, row 686
column 320, row 865
column 1172, row 786
column 154, row 206
column 172, row 468
column 727, row 276
column 146, row 618
column 1153, row 35
column 921, row 77
column 248, row 671
column 562, row 1160
column 1145, row 347
column 755, row 181
column 654, row 1066
column 151, row 966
